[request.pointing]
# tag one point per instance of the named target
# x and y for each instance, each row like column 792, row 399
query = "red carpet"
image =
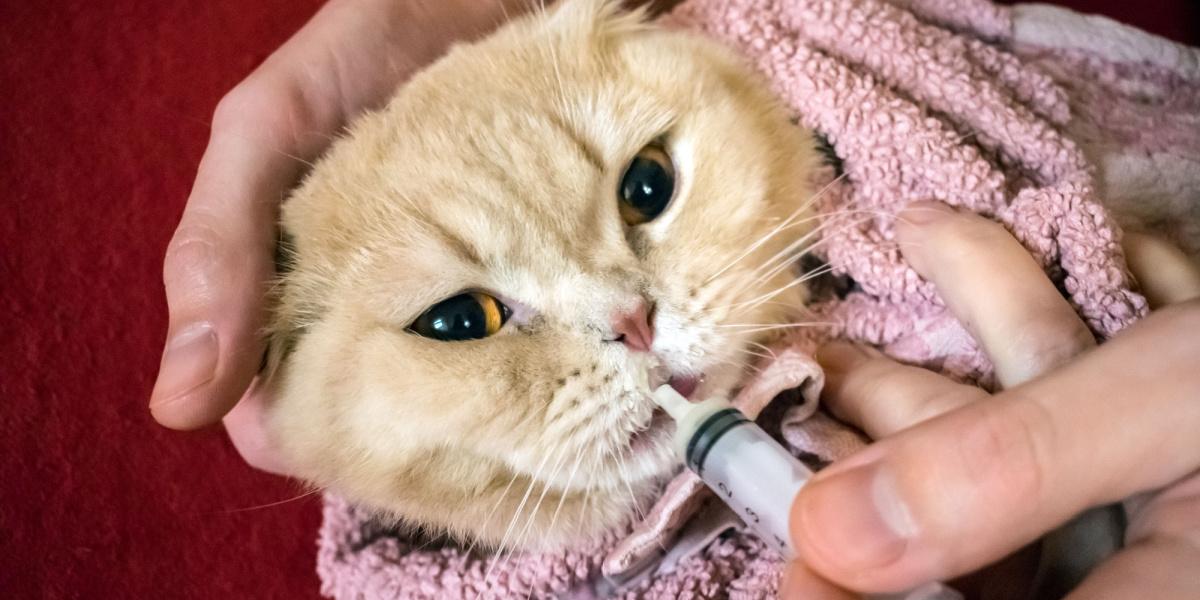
column 103, row 117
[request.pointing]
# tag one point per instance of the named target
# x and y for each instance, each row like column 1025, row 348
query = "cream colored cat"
column 484, row 270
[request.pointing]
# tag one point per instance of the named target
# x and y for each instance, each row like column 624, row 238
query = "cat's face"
column 566, row 204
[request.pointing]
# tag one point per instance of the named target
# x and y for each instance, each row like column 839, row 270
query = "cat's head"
column 484, row 271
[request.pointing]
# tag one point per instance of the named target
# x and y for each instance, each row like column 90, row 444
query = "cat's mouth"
column 659, row 374
column 645, row 438
column 685, row 385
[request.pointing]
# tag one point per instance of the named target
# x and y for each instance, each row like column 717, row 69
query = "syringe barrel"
column 751, row 472
column 759, row 479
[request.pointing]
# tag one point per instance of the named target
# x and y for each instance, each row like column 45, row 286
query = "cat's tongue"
column 637, row 555
column 686, row 386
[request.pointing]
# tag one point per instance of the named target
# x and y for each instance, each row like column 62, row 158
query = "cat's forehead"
column 505, row 155
column 531, row 154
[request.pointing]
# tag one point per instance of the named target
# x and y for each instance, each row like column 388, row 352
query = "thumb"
column 964, row 489
column 215, row 273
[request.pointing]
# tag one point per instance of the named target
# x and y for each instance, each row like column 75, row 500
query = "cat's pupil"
column 647, row 187
column 459, row 318
column 470, row 316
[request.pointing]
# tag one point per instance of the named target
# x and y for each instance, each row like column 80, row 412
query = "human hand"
column 956, row 484
column 349, row 58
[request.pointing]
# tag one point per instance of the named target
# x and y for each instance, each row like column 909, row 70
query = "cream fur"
column 496, row 169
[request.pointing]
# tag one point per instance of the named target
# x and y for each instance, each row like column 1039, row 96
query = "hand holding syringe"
column 750, row 472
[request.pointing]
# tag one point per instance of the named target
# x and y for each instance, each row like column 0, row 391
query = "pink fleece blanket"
column 1031, row 115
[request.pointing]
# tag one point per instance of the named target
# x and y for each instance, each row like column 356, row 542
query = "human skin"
column 348, row 58
column 960, row 479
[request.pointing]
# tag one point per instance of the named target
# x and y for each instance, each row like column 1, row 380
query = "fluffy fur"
column 497, row 169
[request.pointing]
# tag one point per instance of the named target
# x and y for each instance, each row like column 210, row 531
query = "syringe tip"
column 670, row 400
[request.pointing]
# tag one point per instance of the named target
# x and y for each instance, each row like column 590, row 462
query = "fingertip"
column 852, row 524
column 247, row 429
column 913, row 225
column 918, row 215
column 1164, row 273
column 213, row 283
column 197, row 408
column 838, row 357
column 189, row 361
column 200, row 378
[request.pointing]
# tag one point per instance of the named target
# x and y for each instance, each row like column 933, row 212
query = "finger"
column 881, row 396
column 248, row 431
column 263, row 133
column 962, row 490
column 1162, row 552
column 220, row 258
column 800, row 583
column 1165, row 274
column 215, row 275
column 1165, row 565
column 989, row 281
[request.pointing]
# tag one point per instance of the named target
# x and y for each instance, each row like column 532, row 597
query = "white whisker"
column 783, row 225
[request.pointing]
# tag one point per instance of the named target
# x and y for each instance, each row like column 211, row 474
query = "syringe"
column 751, row 472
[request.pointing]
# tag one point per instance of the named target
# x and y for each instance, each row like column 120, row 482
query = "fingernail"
column 856, row 518
column 925, row 212
column 189, row 361
column 839, row 357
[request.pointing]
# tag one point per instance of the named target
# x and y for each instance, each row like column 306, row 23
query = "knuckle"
column 1049, row 340
column 235, row 107
column 874, row 378
column 193, row 244
column 1004, row 452
column 251, row 105
column 192, row 259
column 927, row 407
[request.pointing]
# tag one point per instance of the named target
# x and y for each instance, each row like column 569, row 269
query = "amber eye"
column 469, row 316
column 647, row 185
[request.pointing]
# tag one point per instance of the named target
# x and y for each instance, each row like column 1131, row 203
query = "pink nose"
column 633, row 328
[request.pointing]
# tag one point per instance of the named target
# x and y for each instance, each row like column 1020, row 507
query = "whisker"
column 757, row 325
column 562, row 498
column 513, row 522
column 270, row 504
column 587, row 495
column 803, row 207
column 795, row 282
column 624, row 477
column 765, row 348
column 521, row 537
column 495, row 507
column 795, row 247
column 787, row 326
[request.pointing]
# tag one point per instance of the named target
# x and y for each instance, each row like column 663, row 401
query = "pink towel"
column 1018, row 114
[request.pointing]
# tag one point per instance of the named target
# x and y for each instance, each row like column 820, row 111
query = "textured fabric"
column 920, row 99
column 106, row 107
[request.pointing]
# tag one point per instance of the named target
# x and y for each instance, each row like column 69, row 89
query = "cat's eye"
column 468, row 316
column 647, row 185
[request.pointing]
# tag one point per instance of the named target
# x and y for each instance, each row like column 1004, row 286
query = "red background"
column 104, row 110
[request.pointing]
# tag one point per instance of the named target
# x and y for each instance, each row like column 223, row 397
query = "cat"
column 484, row 273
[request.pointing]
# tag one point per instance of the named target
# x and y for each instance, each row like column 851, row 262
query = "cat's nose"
column 633, row 327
